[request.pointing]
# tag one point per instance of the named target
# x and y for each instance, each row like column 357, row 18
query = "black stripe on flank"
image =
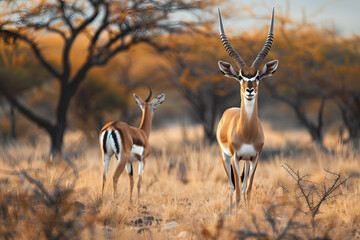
column 113, row 134
column 104, row 141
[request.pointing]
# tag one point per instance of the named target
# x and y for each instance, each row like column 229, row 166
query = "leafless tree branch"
column 315, row 194
column 15, row 35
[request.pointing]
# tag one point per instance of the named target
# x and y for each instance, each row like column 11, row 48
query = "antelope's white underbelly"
column 246, row 151
column 136, row 153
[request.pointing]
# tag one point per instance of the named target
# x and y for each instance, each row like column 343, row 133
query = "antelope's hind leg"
column 106, row 161
column 123, row 158
column 106, row 154
column 129, row 170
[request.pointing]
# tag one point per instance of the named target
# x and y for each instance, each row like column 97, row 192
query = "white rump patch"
column 136, row 151
column 111, row 146
column 246, row 151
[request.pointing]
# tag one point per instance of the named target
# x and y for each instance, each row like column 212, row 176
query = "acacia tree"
column 111, row 27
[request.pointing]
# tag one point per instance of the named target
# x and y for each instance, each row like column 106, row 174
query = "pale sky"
column 344, row 15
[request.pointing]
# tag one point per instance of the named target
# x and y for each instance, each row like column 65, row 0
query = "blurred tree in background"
column 197, row 78
column 319, row 71
column 105, row 27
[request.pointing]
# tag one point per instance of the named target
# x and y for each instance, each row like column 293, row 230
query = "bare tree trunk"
column 56, row 137
column 353, row 127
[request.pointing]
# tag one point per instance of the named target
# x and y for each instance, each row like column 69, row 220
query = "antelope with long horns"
column 239, row 133
column 129, row 144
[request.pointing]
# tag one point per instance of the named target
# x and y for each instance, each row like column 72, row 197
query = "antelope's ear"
column 228, row 70
column 268, row 69
column 158, row 100
column 139, row 102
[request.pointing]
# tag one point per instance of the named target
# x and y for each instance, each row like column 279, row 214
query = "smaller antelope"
column 129, row 144
column 239, row 133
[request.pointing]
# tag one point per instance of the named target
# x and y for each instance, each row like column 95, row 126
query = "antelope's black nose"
column 250, row 90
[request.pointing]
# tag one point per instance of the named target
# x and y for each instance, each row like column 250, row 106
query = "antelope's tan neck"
column 248, row 120
column 146, row 120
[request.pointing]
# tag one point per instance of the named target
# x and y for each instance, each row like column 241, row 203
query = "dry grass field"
column 184, row 193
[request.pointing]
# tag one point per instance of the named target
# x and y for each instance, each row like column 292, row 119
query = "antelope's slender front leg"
column 141, row 169
column 251, row 177
column 129, row 170
column 123, row 158
column 228, row 168
column 229, row 172
column 235, row 166
column 246, row 173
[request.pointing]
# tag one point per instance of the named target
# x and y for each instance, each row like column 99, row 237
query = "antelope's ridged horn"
column 150, row 93
column 265, row 50
column 228, row 46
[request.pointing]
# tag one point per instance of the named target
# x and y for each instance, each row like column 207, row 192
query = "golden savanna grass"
column 184, row 192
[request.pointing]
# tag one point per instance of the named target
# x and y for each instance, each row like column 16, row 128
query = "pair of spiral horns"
column 261, row 55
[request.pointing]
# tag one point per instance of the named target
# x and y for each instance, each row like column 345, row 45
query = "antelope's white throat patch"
column 249, row 106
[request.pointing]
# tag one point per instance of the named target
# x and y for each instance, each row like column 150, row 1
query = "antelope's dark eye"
column 239, row 77
column 258, row 78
